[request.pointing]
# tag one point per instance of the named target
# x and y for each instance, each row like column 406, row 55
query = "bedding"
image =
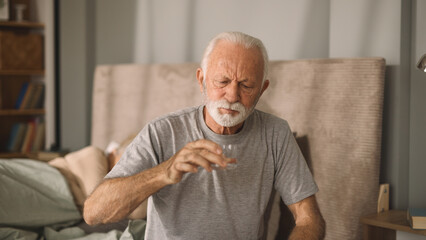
column 34, row 194
column 36, row 203
column 84, row 170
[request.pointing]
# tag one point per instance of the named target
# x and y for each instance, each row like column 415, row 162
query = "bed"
column 42, row 200
column 334, row 107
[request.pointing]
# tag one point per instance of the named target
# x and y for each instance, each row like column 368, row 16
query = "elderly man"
column 182, row 162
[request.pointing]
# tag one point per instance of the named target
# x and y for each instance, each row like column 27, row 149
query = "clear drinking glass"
column 229, row 151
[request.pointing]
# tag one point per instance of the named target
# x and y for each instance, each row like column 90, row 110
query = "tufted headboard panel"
column 333, row 105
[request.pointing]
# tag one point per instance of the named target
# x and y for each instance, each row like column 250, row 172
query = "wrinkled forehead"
column 237, row 60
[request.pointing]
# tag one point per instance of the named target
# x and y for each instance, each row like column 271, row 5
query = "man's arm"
column 308, row 219
column 114, row 199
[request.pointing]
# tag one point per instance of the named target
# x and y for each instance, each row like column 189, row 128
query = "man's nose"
column 233, row 92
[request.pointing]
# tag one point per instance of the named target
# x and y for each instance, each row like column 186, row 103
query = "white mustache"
column 227, row 105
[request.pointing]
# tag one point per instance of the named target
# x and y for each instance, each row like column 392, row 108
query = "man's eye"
column 221, row 83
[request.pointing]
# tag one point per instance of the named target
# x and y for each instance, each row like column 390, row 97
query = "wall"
column 408, row 236
column 148, row 31
column 42, row 11
column 376, row 28
column 76, row 66
column 417, row 164
column 177, row 31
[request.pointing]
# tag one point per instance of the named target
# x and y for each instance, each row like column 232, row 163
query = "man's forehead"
column 229, row 63
column 226, row 55
column 227, row 48
column 224, row 67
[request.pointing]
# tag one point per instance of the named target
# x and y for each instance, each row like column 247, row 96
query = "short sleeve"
column 293, row 179
column 140, row 155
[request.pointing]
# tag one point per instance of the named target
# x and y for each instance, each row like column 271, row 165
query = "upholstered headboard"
column 333, row 105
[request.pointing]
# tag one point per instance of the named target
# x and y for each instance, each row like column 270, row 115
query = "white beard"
column 227, row 120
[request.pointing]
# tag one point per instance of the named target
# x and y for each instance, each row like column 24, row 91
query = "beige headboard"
column 334, row 106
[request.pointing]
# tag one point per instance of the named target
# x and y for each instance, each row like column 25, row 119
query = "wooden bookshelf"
column 24, row 112
column 23, row 24
column 21, row 62
column 21, row 72
column 13, row 155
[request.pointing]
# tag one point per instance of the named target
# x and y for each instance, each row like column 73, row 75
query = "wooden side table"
column 385, row 224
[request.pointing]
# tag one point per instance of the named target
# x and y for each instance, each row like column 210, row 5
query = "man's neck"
column 216, row 128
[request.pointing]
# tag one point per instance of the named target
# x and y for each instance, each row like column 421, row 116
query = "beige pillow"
column 85, row 169
column 89, row 165
column 79, row 197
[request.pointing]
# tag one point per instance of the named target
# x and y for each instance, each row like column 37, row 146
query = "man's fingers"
column 206, row 144
column 201, row 157
column 198, row 159
column 201, row 153
column 214, row 157
column 230, row 160
column 186, row 167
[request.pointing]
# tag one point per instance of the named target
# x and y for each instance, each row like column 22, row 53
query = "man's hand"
column 201, row 153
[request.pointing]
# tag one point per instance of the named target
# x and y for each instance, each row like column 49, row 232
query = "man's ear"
column 200, row 78
column 265, row 86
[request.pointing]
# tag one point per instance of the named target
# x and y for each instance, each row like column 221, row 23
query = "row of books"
column 27, row 137
column 30, row 96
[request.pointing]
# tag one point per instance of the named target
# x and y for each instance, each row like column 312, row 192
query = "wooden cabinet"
column 22, row 88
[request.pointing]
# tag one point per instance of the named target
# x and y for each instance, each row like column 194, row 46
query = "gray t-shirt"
column 222, row 204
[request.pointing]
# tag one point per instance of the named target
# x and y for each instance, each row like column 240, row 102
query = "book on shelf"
column 21, row 95
column 417, row 218
column 17, row 143
column 38, row 143
column 26, row 99
column 29, row 137
column 13, row 136
column 31, row 96
column 37, row 98
column 26, row 137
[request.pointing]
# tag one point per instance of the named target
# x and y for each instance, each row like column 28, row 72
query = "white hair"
column 239, row 38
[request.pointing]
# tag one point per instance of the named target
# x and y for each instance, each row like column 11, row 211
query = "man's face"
column 233, row 83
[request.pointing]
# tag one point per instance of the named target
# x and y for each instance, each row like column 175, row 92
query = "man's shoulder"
column 269, row 118
column 182, row 114
column 271, row 123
